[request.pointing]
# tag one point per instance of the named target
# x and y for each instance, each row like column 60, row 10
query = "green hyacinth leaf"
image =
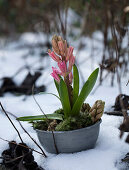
column 75, row 83
column 57, row 86
column 64, row 97
column 88, row 86
column 50, row 93
column 41, row 117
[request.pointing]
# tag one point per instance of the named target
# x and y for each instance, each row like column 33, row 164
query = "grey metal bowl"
column 70, row 141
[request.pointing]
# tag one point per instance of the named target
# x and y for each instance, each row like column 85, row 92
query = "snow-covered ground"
column 109, row 149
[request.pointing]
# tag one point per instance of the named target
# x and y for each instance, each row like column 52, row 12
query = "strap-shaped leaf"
column 50, row 93
column 64, row 98
column 88, row 86
column 41, row 117
column 57, row 86
column 75, row 83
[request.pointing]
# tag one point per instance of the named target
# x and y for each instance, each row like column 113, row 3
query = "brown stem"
column 33, row 140
column 69, row 89
column 15, row 159
column 105, row 41
column 117, row 50
column 11, row 122
column 27, row 133
column 46, row 118
column 63, row 28
column 54, row 141
column 21, row 145
column 127, row 83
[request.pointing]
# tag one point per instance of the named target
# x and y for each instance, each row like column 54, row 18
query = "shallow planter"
column 70, row 141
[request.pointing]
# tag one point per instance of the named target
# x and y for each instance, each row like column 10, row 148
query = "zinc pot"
column 70, row 141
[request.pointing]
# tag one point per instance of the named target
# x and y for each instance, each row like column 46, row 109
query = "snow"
column 109, row 149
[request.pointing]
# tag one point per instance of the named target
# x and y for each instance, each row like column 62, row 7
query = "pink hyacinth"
column 69, row 53
column 62, row 67
column 71, row 62
column 54, row 69
column 55, row 74
column 61, row 46
column 54, row 56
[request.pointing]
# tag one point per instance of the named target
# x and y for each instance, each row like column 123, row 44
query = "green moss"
column 59, row 111
column 73, row 123
column 41, row 125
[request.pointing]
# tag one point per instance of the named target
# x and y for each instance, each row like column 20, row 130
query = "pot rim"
column 70, row 131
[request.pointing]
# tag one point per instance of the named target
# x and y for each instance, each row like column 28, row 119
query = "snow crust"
column 109, row 149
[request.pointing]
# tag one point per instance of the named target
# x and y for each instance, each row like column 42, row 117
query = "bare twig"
column 38, row 103
column 118, row 76
column 127, row 83
column 124, row 111
column 63, row 29
column 46, row 118
column 11, row 122
column 21, row 145
column 32, row 139
column 43, row 153
column 116, row 113
column 12, row 160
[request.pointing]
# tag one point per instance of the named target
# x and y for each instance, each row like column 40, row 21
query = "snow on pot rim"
column 70, row 141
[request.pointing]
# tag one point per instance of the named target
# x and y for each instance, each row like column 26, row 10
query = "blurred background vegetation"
column 22, row 15
column 110, row 17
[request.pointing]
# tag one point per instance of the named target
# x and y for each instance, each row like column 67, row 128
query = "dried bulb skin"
column 52, row 125
column 97, row 110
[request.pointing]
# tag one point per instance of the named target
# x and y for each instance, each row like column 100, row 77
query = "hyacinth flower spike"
column 71, row 62
column 71, row 98
column 62, row 67
column 69, row 53
column 61, row 47
column 55, row 74
column 54, row 56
